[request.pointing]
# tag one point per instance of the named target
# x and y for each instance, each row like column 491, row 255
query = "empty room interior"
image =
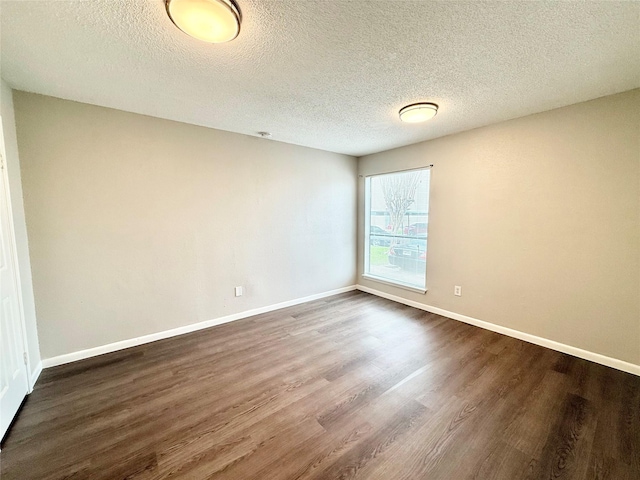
column 317, row 240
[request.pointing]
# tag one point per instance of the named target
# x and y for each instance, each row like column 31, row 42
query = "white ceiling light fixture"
column 418, row 112
column 213, row 21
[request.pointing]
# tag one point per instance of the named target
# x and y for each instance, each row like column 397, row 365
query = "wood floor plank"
column 502, row 461
column 350, row 386
column 566, row 454
column 371, row 449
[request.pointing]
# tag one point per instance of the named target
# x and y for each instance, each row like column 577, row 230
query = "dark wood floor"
column 352, row 386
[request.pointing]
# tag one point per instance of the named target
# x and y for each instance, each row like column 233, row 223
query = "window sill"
column 394, row 284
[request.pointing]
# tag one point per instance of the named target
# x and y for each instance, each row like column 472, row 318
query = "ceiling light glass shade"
column 418, row 112
column 213, row 21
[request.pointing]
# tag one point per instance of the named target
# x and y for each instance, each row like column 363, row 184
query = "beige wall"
column 538, row 219
column 22, row 243
column 139, row 225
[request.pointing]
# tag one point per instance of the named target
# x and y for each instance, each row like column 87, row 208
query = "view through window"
column 397, row 215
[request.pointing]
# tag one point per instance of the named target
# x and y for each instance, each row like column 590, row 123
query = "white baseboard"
column 33, row 377
column 133, row 342
column 112, row 347
column 544, row 342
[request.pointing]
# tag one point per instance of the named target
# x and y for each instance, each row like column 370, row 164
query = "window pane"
column 397, row 219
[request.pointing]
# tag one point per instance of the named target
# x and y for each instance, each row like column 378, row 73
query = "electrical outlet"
column 238, row 291
column 457, row 291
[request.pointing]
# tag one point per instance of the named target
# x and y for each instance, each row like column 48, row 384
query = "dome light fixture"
column 213, row 21
column 418, row 112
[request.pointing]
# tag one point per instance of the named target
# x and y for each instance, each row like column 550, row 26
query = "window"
column 396, row 218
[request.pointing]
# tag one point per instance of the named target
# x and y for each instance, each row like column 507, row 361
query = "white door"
column 13, row 369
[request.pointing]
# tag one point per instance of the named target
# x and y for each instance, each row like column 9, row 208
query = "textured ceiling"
column 327, row 74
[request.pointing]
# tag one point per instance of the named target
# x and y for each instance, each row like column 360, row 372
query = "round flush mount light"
column 213, row 21
column 418, row 112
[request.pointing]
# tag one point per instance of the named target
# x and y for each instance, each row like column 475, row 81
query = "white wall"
column 139, row 225
column 22, row 243
column 538, row 219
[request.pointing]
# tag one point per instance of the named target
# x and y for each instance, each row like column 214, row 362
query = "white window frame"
column 367, row 231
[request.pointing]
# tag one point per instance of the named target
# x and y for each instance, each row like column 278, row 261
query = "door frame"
column 13, row 257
